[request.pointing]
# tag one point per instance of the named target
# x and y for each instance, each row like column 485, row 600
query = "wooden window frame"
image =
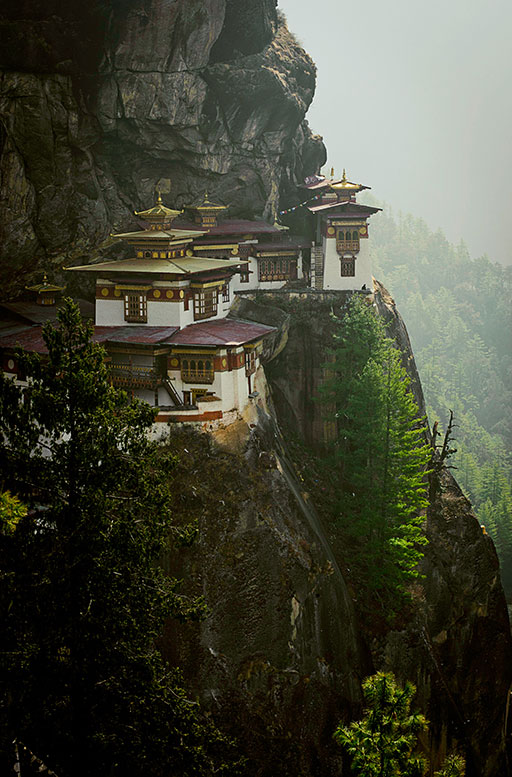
column 348, row 240
column 206, row 303
column 197, row 369
column 279, row 268
column 136, row 307
column 348, row 267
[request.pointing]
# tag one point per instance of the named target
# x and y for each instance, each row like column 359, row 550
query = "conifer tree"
column 83, row 596
column 379, row 455
column 384, row 742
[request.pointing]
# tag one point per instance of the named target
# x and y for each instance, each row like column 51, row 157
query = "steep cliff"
column 453, row 642
column 99, row 102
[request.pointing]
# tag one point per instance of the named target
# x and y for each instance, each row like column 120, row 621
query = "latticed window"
column 198, row 370
column 205, row 304
column 250, row 362
column 348, row 266
column 244, row 276
column 135, row 308
column 225, row 292
column 347, row 240
column 277, row 269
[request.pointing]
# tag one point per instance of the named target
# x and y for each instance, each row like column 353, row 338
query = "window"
column 198, row 370
column 250, row 362
column 348, row 266
column 205, row 304
column 277, row 269
column 347, row 240
column 244, row 276
column 135, row 308
column 225, row 292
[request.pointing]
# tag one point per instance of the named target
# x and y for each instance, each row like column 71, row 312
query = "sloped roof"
column 219, row 332
column 184, row 265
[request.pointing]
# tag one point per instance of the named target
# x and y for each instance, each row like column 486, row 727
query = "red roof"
column 222, row 331
column 30, row 339
column 232, row 227
column 145, row 335
column 282, row 246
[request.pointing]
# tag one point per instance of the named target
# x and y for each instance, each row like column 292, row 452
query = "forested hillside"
column 458, row 314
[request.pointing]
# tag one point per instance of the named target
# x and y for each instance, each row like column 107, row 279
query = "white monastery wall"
column 332, row 267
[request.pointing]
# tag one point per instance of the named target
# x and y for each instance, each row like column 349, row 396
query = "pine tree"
column 83, row 597
column 379, row 456
column 384, row 742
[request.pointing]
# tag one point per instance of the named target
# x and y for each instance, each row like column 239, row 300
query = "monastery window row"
column 205, row 304
column 278, row 269
column 197, row 371
column 347, row 240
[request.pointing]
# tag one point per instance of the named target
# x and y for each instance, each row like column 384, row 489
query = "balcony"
column 133, row 376
column 204, row 375
column 347, row 246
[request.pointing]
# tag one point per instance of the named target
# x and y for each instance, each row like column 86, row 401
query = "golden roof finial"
column 344, row 176
column 332, row 172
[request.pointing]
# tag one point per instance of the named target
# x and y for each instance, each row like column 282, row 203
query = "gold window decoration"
column 135, row 308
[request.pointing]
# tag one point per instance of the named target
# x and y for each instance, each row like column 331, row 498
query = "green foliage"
column 458, row 314
column 383, row 742
column 84, row 598
column 11, row 512
column 378, row 456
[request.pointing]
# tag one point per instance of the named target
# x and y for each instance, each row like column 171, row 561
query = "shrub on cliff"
column 83, row 597
column 384, row 741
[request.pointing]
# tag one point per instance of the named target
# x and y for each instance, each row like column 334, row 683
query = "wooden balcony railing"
column 135, row 376
column 197, row 376
column 347, row 246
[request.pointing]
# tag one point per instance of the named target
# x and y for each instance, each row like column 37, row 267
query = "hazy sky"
column 414, row 98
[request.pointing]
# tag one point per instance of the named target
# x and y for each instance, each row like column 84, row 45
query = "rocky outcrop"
column 99, row 104
column 454, row 642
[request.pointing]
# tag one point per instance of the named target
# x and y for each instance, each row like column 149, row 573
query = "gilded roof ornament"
column 207, row 205
column 158, row 214
column 44, row 286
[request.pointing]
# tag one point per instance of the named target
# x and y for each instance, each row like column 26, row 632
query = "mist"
column 414, row 100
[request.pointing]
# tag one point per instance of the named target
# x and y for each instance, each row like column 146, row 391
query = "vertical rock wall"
column 100, row 102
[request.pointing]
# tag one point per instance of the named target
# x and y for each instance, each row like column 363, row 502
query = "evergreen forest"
column 458, row 314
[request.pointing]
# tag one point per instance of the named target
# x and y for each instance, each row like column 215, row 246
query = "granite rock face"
column 99, row 104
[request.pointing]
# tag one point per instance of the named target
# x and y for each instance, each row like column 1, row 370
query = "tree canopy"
column 384, row 742
column 83, row 597
column 458, row 314
column 378, row 454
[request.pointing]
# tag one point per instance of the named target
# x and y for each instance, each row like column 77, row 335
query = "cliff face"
column 454, row 643
column 100, row 103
